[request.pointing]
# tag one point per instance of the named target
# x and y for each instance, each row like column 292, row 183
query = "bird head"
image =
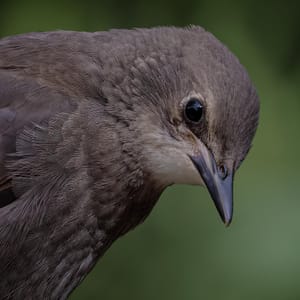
column 195, row 107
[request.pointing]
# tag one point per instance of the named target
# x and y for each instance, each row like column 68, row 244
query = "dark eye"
column 193, row 110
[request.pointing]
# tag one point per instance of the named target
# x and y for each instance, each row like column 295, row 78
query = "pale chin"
column 174, row 167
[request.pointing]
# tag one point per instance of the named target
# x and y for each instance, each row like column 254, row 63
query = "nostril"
column 223, row 171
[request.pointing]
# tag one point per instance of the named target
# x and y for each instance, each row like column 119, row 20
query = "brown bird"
column 93, row 128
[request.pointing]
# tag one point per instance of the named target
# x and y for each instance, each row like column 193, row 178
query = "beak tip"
column 219, row 187
column 227, row 218
column 225, row 212
column 227, row 223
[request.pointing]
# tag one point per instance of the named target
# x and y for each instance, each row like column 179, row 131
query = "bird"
column 94, row 126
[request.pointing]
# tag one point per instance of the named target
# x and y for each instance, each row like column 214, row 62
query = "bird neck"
column 69, row 210
column 55, row 239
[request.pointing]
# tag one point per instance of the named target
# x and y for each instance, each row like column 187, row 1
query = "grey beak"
column 218, row 183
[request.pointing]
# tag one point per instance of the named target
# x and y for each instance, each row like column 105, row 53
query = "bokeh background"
column 183, row 251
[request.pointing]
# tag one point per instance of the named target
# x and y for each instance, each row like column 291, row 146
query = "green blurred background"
column 183, row 251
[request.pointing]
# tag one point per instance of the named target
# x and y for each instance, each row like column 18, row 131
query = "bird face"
column 206, row 125
column 192, row 153
column 183, row 158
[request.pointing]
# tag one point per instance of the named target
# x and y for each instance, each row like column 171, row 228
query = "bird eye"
column 193, row 110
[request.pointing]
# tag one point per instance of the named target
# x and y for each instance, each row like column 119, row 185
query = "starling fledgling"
column 93, row 127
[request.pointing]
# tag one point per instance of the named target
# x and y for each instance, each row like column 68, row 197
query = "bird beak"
column 218, row 184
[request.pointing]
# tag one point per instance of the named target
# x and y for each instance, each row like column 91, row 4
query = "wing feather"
column 24, row 103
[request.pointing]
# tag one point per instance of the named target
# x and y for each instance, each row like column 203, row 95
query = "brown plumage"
column 93, row 127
